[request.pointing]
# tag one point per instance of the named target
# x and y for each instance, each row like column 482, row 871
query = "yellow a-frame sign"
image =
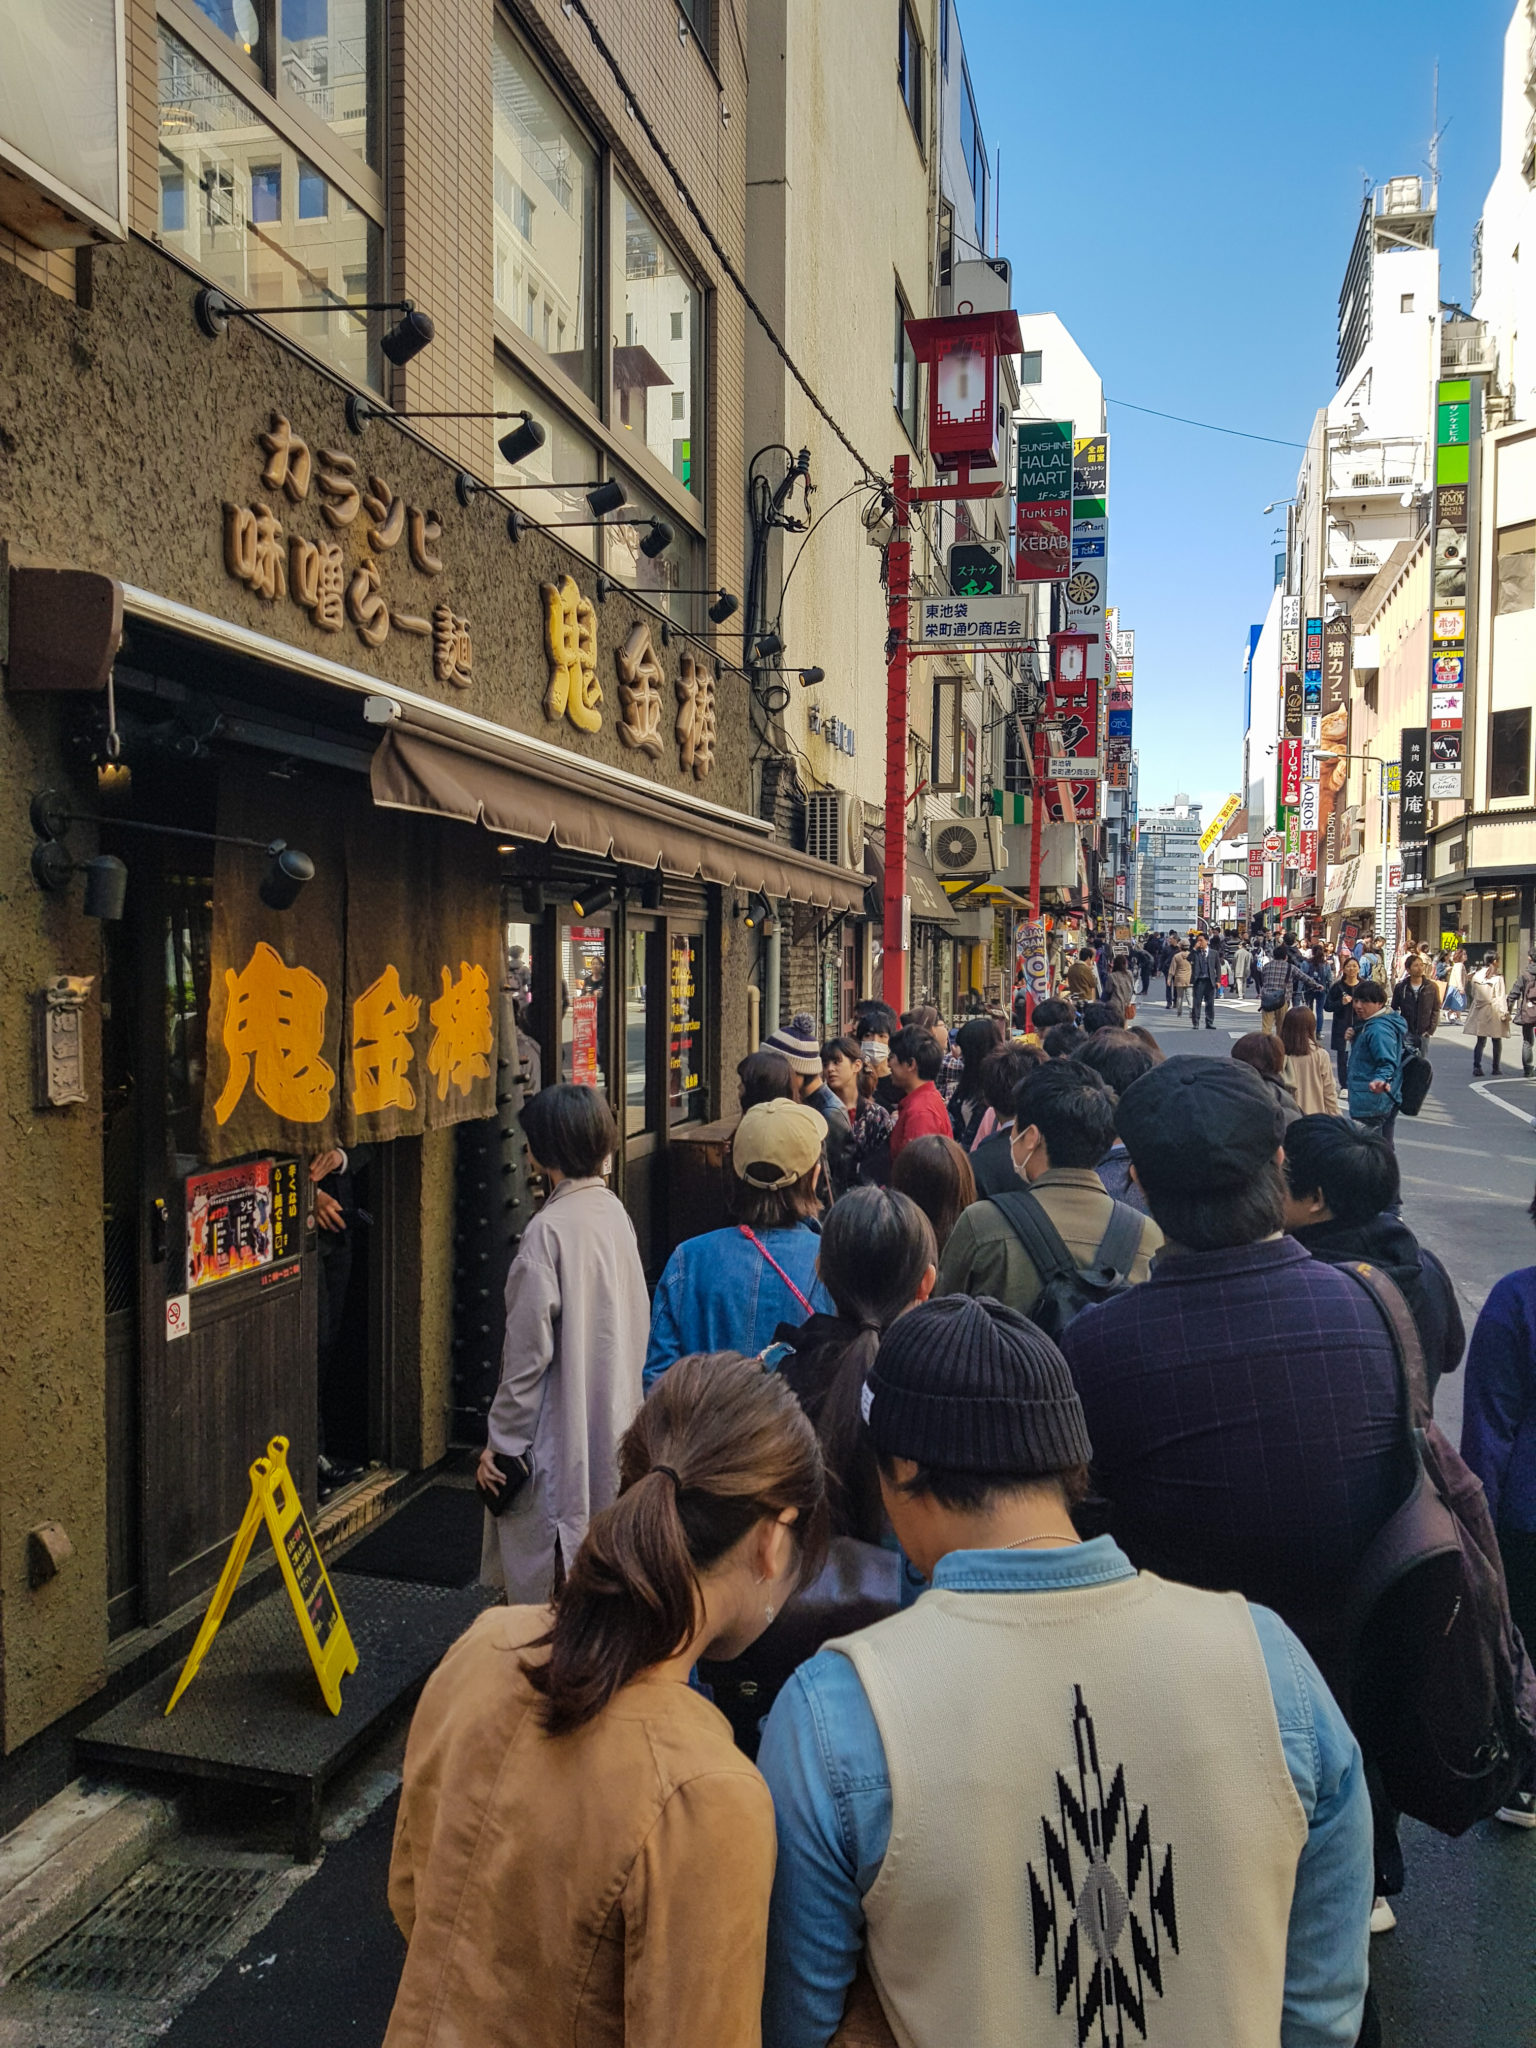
column 275, row 1501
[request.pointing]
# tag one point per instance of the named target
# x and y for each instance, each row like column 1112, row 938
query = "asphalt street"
column 1459, row 1971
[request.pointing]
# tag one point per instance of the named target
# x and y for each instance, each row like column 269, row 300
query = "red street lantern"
column 1069, row 666
column 961, row 352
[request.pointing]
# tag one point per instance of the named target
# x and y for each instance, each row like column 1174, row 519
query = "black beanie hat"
column 968, row 1385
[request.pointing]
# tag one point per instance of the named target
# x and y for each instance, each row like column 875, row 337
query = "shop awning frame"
column 437, row 759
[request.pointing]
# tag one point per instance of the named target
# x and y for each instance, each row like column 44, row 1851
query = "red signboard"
column 1044, row 537
column 1290, row 773
column 1255, row 863
column 1309, row 853
column 1078, row 728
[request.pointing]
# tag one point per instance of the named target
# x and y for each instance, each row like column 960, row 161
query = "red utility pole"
column 898, row 574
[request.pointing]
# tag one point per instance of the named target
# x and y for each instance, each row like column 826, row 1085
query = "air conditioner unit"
column 834, row 827
column 967, row 846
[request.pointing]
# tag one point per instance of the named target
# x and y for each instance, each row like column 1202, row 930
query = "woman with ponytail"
column 581, row 1853
column 877, row 1259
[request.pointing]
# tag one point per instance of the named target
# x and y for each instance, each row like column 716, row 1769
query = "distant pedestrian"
column 1343, row 1193
column 1498, row 1440
column 581, row 1853
column 1308, row 1069
column 1278, row 988
column 1204, row 972
column 936, row 1173
column 915, row 1064
column 1319, row 970
column 1266, row 1056
column 1001, row 1073
column 1487, row 1018
column 1083, row 977
column 1339, row 1005
column 1376, row 1053
column 577, row 1314
column 1063, row 1126
column 1180, row 973
column 1122, row 984
column 968, row 1105
column 1242, row 961
column 1522, row 1012
column 729, row 1289
column 1417, row 1001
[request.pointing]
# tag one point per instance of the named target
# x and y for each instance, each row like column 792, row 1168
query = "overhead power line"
column 633, row 104
column 1206, row 426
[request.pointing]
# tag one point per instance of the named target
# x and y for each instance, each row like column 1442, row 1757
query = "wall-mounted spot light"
column 595, row 900
column 533, row 899
column 810, row 677
column 759, row 911
column 515, row 446
column 768, row 646
column 106, row 877
column 407, row 338
column 658, row 540
column 287, row 872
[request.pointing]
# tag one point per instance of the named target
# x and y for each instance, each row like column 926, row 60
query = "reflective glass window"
column 330, row 55
column 567, row 459
column 639, row 949
column 544, row 214
column 685, row 1028
column 244, row 234
column 655, row 344
column 678, row 568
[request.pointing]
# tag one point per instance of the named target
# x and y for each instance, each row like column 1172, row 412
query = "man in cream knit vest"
column 1057, row 1800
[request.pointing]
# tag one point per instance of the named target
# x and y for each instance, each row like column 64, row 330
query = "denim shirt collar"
column 1095, row 1563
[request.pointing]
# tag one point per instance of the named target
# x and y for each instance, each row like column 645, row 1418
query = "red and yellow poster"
column 240, row 1218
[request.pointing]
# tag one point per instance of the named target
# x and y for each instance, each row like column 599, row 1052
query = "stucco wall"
column 131, row 431
column 52, row 1375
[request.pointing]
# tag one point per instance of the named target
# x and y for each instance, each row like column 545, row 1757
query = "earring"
column 768, row 1610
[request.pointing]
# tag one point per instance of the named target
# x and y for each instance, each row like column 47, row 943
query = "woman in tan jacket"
column 582, row 1857
column 1308, row 1069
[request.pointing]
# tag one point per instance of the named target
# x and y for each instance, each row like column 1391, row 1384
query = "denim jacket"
column 826, row 1768
column 718, row 1293
column 1377, row 1055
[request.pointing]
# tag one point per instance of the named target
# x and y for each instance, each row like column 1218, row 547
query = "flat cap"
column 1197, row 1125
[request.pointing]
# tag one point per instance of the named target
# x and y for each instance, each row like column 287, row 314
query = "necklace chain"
column 1055, row 1536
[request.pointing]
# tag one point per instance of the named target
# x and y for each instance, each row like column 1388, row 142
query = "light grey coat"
column 578, row 1316
column 1487, row 1013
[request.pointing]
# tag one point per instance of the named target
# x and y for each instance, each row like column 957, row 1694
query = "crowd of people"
column 1007, row 1460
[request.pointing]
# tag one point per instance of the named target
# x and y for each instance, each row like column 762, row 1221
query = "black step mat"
column 434, row 1540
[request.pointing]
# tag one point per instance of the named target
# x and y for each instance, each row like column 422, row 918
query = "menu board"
column 685, row 1025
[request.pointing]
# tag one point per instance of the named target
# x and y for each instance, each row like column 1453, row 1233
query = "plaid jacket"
column 1243, row 1409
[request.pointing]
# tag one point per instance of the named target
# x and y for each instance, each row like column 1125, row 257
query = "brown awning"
column 530, row 795
column 925, row 892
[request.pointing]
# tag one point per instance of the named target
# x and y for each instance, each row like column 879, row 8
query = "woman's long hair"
column 719, row 1446
column 876, row 1245
column 976, row 1039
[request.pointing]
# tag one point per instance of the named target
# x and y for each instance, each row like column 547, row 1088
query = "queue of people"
column 1070, row 1343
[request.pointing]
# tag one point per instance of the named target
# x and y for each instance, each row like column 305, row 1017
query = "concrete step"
column 68, row 1856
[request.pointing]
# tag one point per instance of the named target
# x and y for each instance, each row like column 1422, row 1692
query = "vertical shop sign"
column 1078, row 726
column 1044, row 493
column 686, row 1023
column 1448, row 644
column 1413, row 811
column 1290, row 773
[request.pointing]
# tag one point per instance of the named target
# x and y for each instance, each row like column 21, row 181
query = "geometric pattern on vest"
column 1098, row 1907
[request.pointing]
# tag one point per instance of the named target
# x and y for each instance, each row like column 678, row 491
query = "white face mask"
column 875, row 1051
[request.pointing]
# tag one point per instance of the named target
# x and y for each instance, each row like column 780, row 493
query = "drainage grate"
column 143, row 1941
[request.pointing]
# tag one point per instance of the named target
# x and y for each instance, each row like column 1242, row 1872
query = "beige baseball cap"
column 777, row 1143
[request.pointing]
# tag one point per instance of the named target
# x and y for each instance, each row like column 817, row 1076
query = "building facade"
column 371, row 683
column 1168, row 885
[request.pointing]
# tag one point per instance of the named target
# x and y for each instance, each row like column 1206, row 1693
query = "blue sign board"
column 1120, row 725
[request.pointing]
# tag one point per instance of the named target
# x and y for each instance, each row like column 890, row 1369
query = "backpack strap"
column 1024, row 1213
column 1120, row 1246
column 1418, row 1409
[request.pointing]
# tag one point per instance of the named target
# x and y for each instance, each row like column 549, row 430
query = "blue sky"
column 1181, row 183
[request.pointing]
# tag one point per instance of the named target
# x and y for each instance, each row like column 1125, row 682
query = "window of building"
column 909, row 64
column 266, row 192
column 656, row 308
column 973, row 148
column 680, row 568
column 904, row 373
column 1509, row 753
column 1516, row 569
column 216, row 140
column 567, row 459
column 944, row 6
column 1029, row 366
column 1405, row 303
column 173, row 203
column 544, row 165
column 330, row 56
column 314, row 193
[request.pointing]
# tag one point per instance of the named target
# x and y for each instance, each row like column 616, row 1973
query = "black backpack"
column 1414, row 1082
column 1066, row 1287
column 1441, row 1692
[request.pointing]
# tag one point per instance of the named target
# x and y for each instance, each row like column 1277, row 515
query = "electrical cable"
column 633, row 104
column 1237, row 433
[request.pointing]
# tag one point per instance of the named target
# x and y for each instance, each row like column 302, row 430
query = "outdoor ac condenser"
column 967, row 846
column 834, row 827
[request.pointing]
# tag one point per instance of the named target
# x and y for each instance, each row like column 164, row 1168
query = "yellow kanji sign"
column 275, row 1501
column 383, row 1018
column 274, row 1027
column 463, row 1037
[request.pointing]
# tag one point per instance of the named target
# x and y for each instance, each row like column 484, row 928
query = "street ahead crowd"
column 985, row 1597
